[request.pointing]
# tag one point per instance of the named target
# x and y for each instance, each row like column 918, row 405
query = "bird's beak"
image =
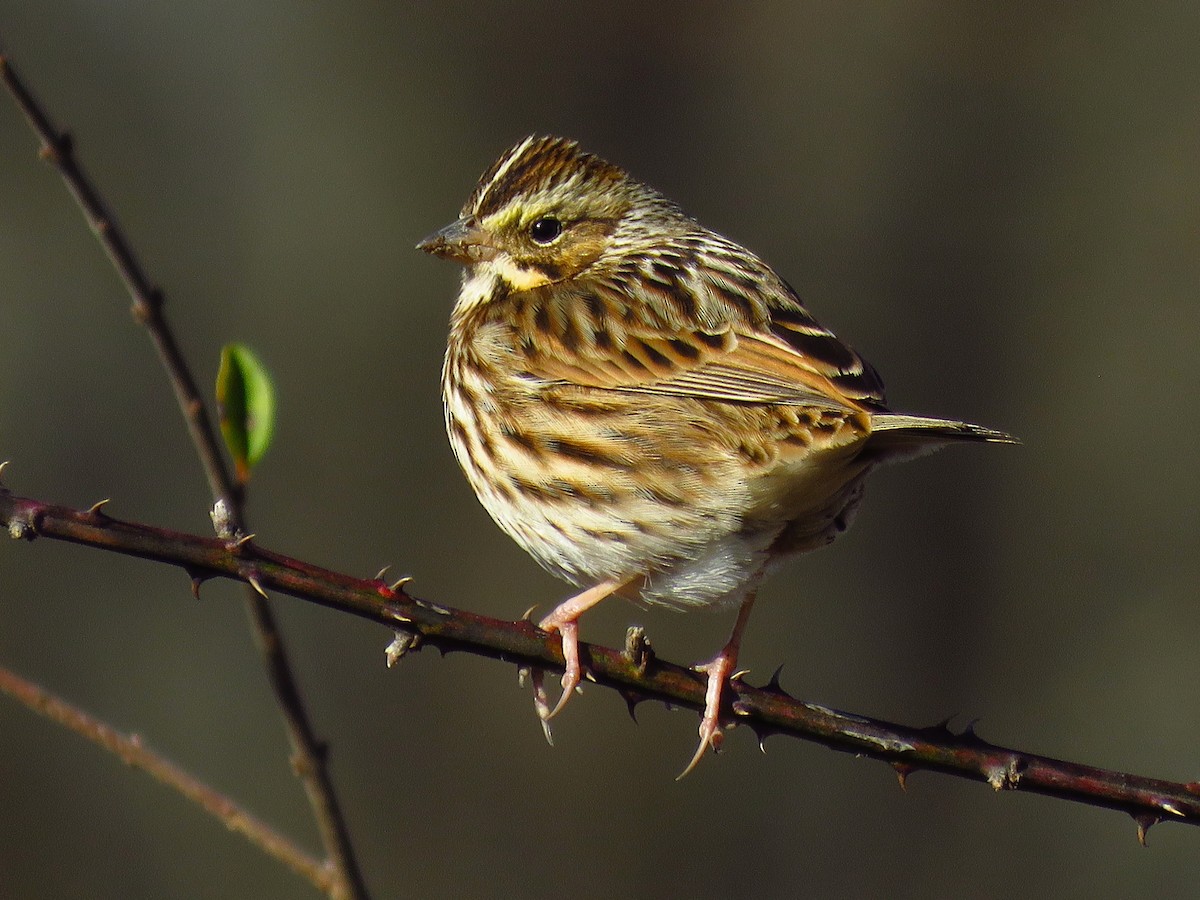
column 462, row 241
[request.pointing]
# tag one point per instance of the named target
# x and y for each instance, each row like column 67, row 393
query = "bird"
column 645, row 406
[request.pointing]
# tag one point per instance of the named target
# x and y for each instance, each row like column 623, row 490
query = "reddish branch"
column 635, row 673
column 307, row 750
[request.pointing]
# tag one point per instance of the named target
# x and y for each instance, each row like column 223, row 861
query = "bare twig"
column 131, row 751
column 638, row 675
column 308, row 751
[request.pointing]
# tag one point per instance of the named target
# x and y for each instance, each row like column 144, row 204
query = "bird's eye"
column 545, row 230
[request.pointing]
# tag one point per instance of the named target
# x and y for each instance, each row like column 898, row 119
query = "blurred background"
column 997, row 205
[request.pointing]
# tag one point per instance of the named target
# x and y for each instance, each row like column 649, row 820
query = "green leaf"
column 246, row 404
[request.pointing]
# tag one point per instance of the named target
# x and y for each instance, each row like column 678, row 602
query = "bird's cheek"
column 519, row 276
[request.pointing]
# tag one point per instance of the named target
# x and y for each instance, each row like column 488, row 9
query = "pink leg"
column 565, row 620
column 718, row 669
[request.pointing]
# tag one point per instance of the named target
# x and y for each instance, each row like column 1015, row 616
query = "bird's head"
column 546, row 212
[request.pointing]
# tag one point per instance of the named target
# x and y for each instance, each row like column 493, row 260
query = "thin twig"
column 635, row 673
column 308, row 751
column 131, row 751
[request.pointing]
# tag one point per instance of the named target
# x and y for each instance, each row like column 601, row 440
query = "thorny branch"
column 634, row 673
column 307, row 750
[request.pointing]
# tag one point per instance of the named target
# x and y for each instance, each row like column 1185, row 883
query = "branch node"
column 638, row 650
column 56, row 147
column 223, row 520
column 22, row 528
column 402, row 644
column 1004, row 776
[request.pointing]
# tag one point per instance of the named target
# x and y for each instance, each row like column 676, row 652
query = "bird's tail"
column 896, row 437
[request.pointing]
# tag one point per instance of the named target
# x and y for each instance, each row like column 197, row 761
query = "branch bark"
column 635, row 673
column 130, row 749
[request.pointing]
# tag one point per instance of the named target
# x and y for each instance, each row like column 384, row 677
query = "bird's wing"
column 705, row 335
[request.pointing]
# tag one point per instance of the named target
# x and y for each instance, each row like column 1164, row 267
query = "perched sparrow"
column 644, row 405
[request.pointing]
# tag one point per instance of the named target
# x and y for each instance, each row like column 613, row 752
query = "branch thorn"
column 632, row 699
column 942, row 727
column 761, row 733
column 903, row 770
column 1145, row 821
column 96, row 510
column 253, row 581
column 238, row 544
column 773, row 684
column 197, row 579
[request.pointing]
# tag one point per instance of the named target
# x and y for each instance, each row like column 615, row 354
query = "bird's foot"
column 565, row 620
column 572, row 675
column 572, row 671
column 718, row 670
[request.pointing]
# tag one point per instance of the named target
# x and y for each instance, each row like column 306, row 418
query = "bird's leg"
column 718, row 669
column 565, row 620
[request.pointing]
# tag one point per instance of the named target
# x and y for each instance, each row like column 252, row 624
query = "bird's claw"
column 541, row 702
column 572, row 675
column 711, row 735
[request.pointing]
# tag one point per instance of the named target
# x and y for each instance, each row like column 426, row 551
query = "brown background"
column 999, row 209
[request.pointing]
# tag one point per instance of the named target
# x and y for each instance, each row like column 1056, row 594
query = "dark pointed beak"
column 461, row 241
